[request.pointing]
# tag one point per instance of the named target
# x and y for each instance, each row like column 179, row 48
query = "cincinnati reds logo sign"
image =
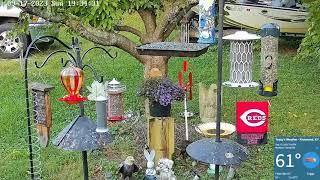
column 253, row 117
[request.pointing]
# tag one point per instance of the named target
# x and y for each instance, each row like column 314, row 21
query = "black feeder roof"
column 174, row 49
column 81, row 135
column 222, row 153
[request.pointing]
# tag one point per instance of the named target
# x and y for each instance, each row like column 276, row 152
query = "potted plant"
column 161, row 92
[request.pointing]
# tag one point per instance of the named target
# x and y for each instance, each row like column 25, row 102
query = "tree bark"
column 158, row 62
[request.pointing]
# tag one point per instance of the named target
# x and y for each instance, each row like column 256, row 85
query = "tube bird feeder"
column 241, row 59
column 269, row 56
column 115, row 100
column 207, row 13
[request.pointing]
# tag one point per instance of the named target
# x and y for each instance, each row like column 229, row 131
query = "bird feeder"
column 72, row 79
column 207, row 13
column 99, row 96
column 115, row 102
column 42, row 111
column 241, row 59
column 269, row 56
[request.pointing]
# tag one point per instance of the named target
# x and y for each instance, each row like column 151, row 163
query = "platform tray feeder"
column 81, row 135
column 226, row 152
column 173, row 49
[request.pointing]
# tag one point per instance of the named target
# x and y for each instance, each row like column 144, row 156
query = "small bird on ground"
column 128, row 168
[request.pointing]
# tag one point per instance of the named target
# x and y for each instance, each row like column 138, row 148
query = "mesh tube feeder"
column 241, row 59
column 269, row 56
column 115, row 107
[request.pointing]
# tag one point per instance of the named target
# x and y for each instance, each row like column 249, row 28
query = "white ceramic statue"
column 165, row 169
column 150, row 171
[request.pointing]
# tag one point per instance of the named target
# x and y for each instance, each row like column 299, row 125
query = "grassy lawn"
column 292, row 113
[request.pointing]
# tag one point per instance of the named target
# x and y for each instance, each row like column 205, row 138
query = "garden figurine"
column 165, row 169
column 150, row 172
column 128, row 168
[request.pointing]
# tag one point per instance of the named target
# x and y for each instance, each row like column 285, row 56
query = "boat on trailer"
column 252, row 14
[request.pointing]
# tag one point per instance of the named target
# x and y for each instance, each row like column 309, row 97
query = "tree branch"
column 129, row 29
column 88, row 32
column 172, row 16
column 149, row 19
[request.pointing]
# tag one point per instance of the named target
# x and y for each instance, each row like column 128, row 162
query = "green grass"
column 293, row 111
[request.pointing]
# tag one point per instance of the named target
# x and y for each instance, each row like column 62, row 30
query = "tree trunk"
column 159, row 62
column 152, row 65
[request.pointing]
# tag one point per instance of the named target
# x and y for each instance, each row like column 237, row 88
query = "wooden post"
column 208, row 103
column 161, row 137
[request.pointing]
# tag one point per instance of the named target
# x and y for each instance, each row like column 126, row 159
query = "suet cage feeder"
column 42, row 111
column 115, row 108
column 269, row 57
column 241, row 59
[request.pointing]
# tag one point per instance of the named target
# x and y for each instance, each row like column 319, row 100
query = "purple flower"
column 161, row 90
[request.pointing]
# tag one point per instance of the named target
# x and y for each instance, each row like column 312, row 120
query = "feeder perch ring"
column 240, row 85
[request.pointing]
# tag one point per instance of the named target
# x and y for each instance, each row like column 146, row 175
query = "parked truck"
column 12, row 45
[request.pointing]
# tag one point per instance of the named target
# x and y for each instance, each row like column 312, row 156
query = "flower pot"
column 157, row 110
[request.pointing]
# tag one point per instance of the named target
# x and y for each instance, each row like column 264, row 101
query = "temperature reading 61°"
column 282, row 160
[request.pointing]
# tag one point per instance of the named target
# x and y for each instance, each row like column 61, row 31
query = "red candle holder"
column 72, row 79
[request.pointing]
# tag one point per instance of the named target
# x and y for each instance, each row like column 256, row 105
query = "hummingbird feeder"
column 188, row 88
column 207, row 14
column 72, row 79
column 269, row 56
column 115, row 100
column 241, row 59
column 42, row 111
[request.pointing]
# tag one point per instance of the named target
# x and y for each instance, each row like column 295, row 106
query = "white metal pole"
column 186, row 116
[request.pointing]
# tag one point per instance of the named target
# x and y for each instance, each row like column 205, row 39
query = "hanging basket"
column 157, row 110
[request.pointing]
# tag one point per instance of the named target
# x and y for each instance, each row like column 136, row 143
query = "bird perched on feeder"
column 128, row 168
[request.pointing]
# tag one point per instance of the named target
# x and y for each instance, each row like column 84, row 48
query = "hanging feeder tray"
column 173, row 49
column 81, row 135
column 222, row 153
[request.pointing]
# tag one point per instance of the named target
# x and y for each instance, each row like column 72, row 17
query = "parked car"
column 11, row 47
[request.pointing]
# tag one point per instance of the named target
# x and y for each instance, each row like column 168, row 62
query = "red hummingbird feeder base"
column 73, row 99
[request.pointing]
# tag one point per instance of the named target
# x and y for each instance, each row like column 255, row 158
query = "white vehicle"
column 11, row 47
column 290, row 15
column 252, row 15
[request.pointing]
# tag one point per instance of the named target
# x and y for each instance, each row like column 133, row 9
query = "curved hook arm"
column 55, row 52
column 98, row 47
column 26, row 85
column 64, row 64
column 42, row 37
column 94, row 72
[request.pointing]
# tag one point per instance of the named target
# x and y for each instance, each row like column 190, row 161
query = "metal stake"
column 85, row 165
column 186, row 116
column 29, row 124
column 219, row 93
